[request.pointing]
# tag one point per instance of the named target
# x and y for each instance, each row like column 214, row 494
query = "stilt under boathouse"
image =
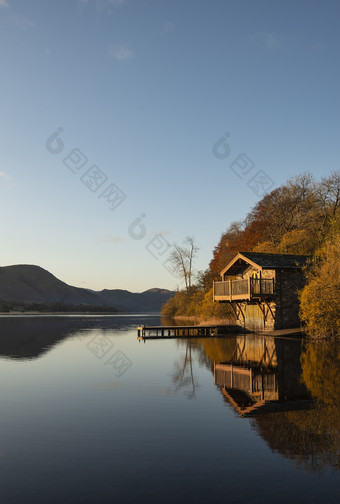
column 262, row 289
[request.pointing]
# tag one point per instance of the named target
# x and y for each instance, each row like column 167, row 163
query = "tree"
column 283, row 210
column 204, row 280
column 182, row 258
column 328, row 191
column 320, row 298
column 230, row 243
column 294, row 218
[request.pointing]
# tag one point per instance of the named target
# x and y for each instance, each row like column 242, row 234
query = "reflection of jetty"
column 262, row 374
column 197, row 331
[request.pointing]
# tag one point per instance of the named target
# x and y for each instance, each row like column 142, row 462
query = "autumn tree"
column 320, row 298
column 284, row 209
column 294, row 218
column 230, row 243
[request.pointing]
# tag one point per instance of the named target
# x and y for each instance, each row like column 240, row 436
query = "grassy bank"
column 197, row 320
column 197, row 305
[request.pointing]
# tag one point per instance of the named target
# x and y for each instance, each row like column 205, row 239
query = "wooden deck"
column 243, row 290
column 197, row 331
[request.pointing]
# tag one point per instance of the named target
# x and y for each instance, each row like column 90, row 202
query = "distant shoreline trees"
column 8, row 307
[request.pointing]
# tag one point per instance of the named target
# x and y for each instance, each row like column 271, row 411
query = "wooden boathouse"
column 262, row 289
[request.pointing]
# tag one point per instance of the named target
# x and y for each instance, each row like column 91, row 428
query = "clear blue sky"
column 144, row 89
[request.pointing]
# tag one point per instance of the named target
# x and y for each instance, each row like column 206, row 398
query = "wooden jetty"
column 197, row 331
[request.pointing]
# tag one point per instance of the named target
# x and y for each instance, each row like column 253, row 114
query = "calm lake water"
column 91, row 415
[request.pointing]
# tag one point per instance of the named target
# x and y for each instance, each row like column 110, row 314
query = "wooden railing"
column 243, row 289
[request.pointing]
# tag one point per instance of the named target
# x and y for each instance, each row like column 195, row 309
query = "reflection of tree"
column 321, row 374
column 321, row 371
column 183, row 376
column 299, row 436
column 219, row 349
column 310, row 437
column 207, row 350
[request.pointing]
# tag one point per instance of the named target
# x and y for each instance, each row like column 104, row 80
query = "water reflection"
column 262, row 374
column 169, row 419
column 290, row 389
column 31, row 337
column 183, row 375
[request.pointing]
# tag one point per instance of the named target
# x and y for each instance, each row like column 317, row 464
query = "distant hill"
column 27, row 286
column 147, row 301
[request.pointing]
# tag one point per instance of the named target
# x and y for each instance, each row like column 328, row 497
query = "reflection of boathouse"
column 262, row 374
column 262, row 289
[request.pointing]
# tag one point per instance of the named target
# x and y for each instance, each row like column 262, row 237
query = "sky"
column 127, row 125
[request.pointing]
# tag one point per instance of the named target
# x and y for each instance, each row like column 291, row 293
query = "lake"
column 91, row 415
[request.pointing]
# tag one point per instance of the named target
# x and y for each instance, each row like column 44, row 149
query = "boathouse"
column 262, row 289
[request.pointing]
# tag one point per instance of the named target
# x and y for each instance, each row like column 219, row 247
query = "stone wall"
column 287, row 285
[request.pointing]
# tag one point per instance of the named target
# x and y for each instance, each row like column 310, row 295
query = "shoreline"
column 75, row 314
column 203, row 321
column 289, row 332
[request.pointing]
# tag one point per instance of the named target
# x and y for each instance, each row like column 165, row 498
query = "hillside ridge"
column 30, row 286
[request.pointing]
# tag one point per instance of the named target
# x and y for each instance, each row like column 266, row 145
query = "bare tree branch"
column 182, row 259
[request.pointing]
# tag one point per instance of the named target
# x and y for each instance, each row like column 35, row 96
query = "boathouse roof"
column 261, row 260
